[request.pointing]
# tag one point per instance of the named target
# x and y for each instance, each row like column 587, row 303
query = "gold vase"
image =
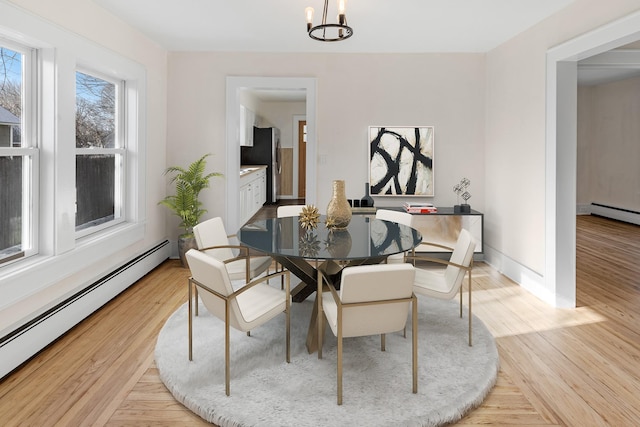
column 338, row 211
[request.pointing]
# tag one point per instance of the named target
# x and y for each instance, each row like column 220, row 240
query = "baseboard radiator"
column 22, row 344
column 612, row 212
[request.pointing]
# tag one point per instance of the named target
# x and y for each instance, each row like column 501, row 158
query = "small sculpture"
column 461, row 191
column 309, row 217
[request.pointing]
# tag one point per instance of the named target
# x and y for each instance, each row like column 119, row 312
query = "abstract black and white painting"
column 401, row 161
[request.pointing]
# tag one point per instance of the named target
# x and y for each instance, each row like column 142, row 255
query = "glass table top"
column 363, row 238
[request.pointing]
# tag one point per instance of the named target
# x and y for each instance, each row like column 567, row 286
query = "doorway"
column 235, row 85
column 561, row 147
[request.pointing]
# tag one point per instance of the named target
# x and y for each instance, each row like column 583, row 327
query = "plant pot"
column 186, row 242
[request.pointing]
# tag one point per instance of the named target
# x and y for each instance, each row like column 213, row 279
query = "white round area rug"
column 266, row 391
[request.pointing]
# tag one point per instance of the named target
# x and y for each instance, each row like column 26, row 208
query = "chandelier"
column 329, row 32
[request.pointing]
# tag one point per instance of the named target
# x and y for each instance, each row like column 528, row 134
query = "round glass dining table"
column 310, row 253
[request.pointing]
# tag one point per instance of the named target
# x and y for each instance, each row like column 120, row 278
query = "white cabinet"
column 253, row 193
column 247, row 121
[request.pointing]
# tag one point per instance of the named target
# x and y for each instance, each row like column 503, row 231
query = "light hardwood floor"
column 559, row 367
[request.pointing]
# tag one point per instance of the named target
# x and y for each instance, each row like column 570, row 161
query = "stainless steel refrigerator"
column 265, row 151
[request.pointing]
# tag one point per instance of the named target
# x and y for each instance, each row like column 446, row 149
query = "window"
column 18, row 154
column 100, row 153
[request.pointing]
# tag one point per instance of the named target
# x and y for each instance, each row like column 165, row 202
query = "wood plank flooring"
column 559, row 367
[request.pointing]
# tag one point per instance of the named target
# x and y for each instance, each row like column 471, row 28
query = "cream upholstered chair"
column 213, row 240
column 372, row 300
column 250, row 306
column 399, row 217
column 446, row 283
column 289, row 210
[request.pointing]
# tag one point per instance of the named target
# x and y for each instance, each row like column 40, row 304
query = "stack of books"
column 419, row 208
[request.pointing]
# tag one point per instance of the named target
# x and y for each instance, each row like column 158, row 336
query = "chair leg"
column 470, row 314
column 288, row 316
column 227, row 371
column 340, row 367
column 414, row 343
column 190, row 322
column 196, row 299
column 383, row 342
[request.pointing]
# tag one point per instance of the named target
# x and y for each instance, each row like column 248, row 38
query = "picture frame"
column 401, row 160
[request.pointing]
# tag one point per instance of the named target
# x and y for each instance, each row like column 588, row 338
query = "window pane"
column 10, row 206
column 10, row 97
column 95, row 189
column 95, row 112
column 98, row 175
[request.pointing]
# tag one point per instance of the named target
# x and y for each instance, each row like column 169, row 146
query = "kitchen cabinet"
column 253, row 191
column 247, row 122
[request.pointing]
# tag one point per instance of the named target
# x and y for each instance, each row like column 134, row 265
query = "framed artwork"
column 401, row 161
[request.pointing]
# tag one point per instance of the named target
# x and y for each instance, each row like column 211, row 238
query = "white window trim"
column 61, row 255
column 120, row 207
column 30, row 150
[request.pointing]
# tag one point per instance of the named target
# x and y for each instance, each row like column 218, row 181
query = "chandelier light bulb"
column 308, row 13
column 341, row 10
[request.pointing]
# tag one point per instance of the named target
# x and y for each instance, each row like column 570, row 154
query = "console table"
column 443, row 227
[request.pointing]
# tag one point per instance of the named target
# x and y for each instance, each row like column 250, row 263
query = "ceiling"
column 379, row 26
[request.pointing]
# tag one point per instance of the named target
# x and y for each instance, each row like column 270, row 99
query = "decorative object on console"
column 461, row 191
column 367, row 200
column 419, row 208
column 309, row 217
column 401, row 161
column 329, row 32
column 338, row 210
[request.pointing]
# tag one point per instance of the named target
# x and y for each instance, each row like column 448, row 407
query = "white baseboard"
column 25, row 342
column 523, row 276
column 615, row 213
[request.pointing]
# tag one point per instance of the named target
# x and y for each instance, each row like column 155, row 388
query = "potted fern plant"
column 185, row 203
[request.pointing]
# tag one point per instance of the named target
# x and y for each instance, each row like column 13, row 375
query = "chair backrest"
column 212, row 273
column 400, row 217
column 212, row 233
column 289, row 210
column 378, row 282
column 463, row 255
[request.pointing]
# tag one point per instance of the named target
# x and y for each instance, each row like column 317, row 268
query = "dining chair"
column 399, row 217
column 446, row 283
column 212, row 239
column 285, row 211
column 244, row 309
column 372, row 300
column 289, row 210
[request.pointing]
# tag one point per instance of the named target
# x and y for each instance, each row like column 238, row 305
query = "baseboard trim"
column 525, row 277
column 23, row 343
column 620, row 214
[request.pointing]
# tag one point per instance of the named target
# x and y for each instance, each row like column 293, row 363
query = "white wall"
column 280, row 115
column 610, row 140
column 515, row 140
column 354, row 92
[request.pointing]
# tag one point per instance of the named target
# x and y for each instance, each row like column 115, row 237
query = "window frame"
column 28, row 150
column 120, row 149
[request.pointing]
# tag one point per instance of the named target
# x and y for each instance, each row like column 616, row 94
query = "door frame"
column 232, row 177
column 561, row 151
